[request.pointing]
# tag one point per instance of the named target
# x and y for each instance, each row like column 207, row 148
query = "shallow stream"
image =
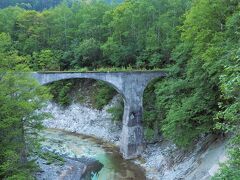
column 77, row 146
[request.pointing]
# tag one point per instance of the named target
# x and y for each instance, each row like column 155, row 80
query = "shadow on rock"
column 92, row 167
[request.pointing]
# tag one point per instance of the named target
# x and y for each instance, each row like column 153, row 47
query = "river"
column 77, row 146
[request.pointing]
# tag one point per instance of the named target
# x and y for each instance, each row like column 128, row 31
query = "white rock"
column 84, row 120
column 214, row 169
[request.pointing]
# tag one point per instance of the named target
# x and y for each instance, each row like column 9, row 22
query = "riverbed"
column 74, row 145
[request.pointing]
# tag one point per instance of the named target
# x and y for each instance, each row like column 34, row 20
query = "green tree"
column 228, row 117
column 20, row 98
column 45, row 60
column 87, row 54
column 8, row 18
column 189, row 99
column 28, row 32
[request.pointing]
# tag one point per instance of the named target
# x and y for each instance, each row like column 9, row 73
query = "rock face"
column 72, row 169
column 85, row 120
column 91, row 165
column 164, row 161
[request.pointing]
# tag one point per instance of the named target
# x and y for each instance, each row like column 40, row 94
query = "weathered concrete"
column 131, row 86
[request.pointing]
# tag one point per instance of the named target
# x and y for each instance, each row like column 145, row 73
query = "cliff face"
column 161, row 160
column 82, row 119
column 164, row 161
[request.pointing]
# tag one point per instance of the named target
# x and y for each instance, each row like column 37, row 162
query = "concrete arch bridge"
column 131, row 86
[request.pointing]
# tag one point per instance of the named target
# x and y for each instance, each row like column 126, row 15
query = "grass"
column 52, row 158
column 106, row 69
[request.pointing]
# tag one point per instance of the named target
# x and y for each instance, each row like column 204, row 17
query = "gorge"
column 84, row 77
column 161, row 160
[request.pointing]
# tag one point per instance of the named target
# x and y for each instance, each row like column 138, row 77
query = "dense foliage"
column 196, row 41
column 20, row 97
column 40, row 5
column 96, row 93
column 30, row 4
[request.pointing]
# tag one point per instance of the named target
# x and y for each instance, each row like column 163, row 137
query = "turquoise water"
column 75, row 145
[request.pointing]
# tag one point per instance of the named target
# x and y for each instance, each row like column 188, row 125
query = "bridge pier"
column 132, row 137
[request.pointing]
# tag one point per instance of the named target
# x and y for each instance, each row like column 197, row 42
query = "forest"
column 40, row 5
column 195, row 41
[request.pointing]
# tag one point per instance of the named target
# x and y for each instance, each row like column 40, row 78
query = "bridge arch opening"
column 79, row 112
column 90, row 79
column 77, row 89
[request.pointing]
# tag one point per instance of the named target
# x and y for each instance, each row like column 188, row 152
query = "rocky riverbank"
column 69, row 169
column 162, row 160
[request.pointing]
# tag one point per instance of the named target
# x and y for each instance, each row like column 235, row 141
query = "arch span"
column 131, row 86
